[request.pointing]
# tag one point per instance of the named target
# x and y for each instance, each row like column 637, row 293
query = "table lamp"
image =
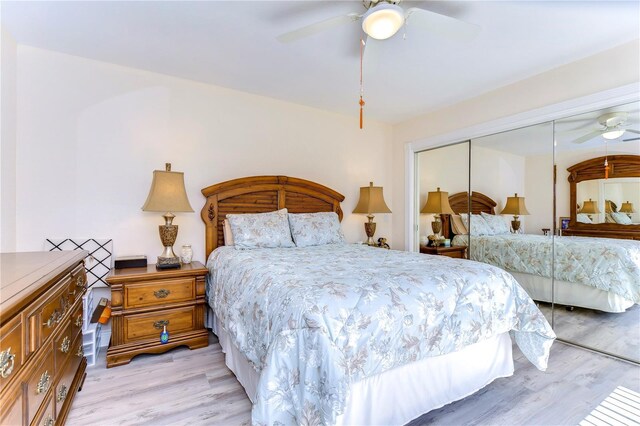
column 437, row 204
column 627, row 208
column 167, row 194
column 589, row 208
column 515, row 206
column 371, row 201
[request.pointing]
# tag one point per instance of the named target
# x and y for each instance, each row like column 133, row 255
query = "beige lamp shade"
column 515, row 206
column 371, row 200
column 589, row 207
column 437, row 203
column 626, row 208
column 167, row 193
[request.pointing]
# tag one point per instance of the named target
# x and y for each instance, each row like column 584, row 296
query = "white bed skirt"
column 398, row 396
column 571, row 294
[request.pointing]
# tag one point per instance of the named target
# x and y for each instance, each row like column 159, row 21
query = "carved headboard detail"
column 260, row 194
column 459, row 203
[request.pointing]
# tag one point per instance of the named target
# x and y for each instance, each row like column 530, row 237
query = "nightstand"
column 144, row 300
column 456, row 252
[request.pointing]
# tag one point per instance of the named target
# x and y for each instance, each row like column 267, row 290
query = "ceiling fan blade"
column 637, row 132
column 632, row 139
column 441, row 24
column 318, row 27
column 588, row 136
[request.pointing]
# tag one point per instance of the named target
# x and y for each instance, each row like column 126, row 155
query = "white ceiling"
column 233, row 44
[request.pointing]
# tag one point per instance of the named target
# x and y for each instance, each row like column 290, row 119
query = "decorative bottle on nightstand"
column 186, row 253
column 164, row 336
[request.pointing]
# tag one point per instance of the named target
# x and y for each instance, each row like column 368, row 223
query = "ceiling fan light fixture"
column 383, row 21
column 613, row 134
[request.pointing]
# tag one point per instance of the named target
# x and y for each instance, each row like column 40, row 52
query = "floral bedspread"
column 312, row 320
column 608, row 264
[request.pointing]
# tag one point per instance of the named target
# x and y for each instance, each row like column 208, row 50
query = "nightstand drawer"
column 149, row 325
column 160, row 292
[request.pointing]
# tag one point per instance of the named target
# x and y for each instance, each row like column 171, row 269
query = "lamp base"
column 168, row 263
column 370, row 229
column 168, row 234
column 515, row 225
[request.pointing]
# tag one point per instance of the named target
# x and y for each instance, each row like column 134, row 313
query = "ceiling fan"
column 613, row 127
column 384, row 18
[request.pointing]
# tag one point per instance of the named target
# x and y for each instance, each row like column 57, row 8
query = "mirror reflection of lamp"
column 627, row 208
column 437, row 204
column 515, row 206
column 589, row 208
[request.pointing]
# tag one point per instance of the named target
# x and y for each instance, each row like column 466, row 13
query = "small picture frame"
column 564, row 223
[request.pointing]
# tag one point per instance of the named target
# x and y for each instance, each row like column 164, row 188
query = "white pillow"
column 260, row 230
column 496, row 223
column 478, row 225
column 315, row 229
column 621, row 218
column 583, row 218
column 228, row 235
column 457, row 225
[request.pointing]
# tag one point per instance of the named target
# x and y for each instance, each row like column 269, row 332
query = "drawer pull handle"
column 62, row 393
column 66, row 344
column 48, row 421
column 79, row 321
column 160, row 324
column 6, row 363
column 80, row 352
column 53, row 319
column 43, row 383
column 162, row 293
column 80, row 281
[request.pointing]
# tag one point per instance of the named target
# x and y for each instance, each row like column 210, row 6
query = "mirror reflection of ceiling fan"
column 383, row 19
column 613, row 127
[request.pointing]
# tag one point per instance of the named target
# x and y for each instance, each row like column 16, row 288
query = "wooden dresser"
column 42, row 365
column 145, row 300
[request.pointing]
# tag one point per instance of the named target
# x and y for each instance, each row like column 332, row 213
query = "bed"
column 350, row 334
column 595, row 273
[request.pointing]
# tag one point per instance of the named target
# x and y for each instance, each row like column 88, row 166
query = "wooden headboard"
column 460, row 204
column 260, row 194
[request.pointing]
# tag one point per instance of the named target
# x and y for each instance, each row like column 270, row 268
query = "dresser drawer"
column 160, row 292
column 40, row 381
column 10, row 349
column 78, row 283
column 46, row 416
column 44, row 320
column 63, row 387
column 149, row 325
column 77, row 318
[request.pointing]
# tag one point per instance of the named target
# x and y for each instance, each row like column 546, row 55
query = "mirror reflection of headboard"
column 620, row 166
column 459, row 203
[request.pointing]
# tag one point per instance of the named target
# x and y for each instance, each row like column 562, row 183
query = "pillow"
column 496, row 223
column 457, row 225
column 621, row 218
column 228, row 235
column 315, row 229
column 478, row 225
column 583, row 218
column 260, row 230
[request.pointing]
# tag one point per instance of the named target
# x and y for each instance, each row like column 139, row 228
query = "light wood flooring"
column 195, row 387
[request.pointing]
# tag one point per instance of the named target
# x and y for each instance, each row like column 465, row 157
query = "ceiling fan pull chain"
column 361, row 85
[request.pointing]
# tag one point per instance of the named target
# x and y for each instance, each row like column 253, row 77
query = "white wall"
column 613, row 68
column 91, row 133
column 8, row 55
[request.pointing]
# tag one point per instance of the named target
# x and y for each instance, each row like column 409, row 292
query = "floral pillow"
column 621, row 218
column 260, row 230
column 496, row 223
column 478, row 225
column 315, row 229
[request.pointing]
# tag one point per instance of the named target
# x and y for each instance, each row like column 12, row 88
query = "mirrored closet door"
column 512, row 207
column 597, row 261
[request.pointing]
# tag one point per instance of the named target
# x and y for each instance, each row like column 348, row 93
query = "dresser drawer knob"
column 53, row 319
column 160, row 324
column 48, row 421
column 6, row 363
column 79, row 321
column 80, row 352
column 66, row 344
column 80, row 281
column 62, row 393
column 43, row 383
column 162, row 293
